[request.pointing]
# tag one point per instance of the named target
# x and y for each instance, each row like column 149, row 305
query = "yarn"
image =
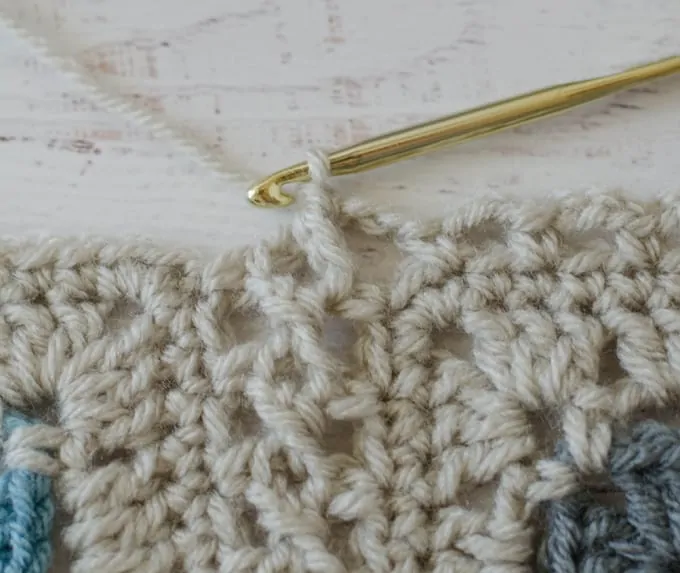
column 26, row 514
column 583, row 536
column 107, row 98
column 202, row 422
column 198, row 402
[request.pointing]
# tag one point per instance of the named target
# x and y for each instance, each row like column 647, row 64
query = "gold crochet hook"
column 484, row 120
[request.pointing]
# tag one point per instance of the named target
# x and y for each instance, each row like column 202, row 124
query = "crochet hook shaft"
column 457, row 128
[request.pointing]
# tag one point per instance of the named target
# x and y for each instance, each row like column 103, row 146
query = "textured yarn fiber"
column 26, row 513
column 194, row 405
column 583, row 535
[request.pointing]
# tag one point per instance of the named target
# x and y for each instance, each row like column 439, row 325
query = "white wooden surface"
column 267, row 79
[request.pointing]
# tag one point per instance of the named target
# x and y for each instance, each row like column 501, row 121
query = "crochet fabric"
column 26, row 513
column 586, row 536
column 191, row 408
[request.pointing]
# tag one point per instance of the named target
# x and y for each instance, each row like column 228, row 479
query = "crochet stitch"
column 204, row 422
column 196, row 401
column 583, row 536
column 26, row 513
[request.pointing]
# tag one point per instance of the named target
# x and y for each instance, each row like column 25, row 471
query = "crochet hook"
column 459, row 127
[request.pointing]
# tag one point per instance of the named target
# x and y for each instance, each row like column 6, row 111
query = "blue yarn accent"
column 26, row 514
column 584, row 536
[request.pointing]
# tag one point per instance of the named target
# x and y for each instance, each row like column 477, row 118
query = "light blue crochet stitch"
column 26, row 514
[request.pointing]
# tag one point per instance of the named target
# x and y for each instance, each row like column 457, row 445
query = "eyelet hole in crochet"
column 452, row 342
column 242, row 325
column 103, row 457
column 123, row 314
column 339, row 337
column 610, row 369
column 603, row 492
column 245, row 422
column 338, row 437
column 546, row 424
column 486, row 234
column 376, row 258
column 589, row 241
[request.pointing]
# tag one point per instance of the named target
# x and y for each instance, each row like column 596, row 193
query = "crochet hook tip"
column 268, row 192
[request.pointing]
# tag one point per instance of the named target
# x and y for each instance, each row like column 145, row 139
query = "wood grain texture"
column 266, row 80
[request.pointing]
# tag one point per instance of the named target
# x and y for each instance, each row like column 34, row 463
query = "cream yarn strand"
column 49, row 54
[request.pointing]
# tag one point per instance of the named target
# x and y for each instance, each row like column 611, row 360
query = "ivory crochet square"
column 193, row 399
